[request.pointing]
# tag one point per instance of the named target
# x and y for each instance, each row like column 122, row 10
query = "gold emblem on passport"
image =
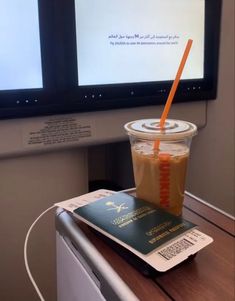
column 118, row 208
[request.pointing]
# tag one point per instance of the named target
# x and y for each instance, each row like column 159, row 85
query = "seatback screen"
column 20, row 51
column 133, row 41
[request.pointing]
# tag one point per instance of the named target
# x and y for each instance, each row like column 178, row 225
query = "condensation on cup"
column 160, row 172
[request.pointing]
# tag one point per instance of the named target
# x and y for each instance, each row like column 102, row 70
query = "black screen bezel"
column 30, row 102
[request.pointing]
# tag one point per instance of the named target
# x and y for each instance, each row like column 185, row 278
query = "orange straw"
column 173, row 89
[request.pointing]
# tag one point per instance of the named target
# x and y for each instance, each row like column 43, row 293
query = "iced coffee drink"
column 160, row 172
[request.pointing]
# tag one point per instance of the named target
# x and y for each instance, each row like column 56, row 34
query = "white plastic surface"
column 73, row 280
column 29, row 135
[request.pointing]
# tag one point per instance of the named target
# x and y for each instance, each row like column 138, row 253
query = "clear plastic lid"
column 150, row 129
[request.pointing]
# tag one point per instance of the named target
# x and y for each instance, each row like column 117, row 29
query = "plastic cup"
column 160, row 173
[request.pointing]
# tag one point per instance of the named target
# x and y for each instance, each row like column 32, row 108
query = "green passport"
column 137, row 223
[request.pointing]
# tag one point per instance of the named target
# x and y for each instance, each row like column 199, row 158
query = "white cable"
column 25, row 254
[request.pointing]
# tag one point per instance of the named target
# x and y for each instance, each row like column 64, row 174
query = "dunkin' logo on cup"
column 164, row 167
